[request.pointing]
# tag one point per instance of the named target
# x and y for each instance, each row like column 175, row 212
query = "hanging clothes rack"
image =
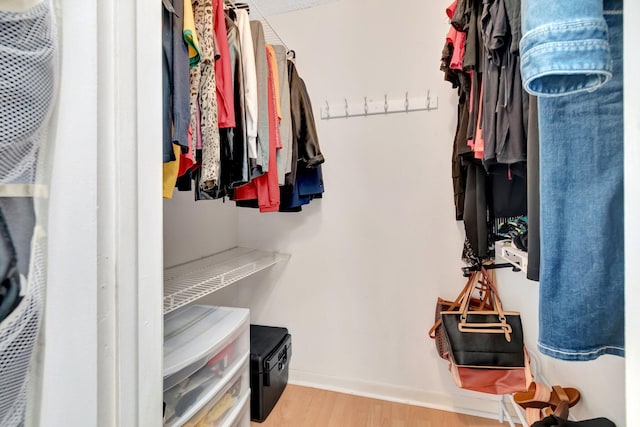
column 369, row 107
column 466, row 271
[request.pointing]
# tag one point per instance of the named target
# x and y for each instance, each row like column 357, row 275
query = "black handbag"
column 484, row 339
column 482, row 302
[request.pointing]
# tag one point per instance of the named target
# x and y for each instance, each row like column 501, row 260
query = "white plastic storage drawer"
column 244, row 417
column 215, row 408
column 205, row 338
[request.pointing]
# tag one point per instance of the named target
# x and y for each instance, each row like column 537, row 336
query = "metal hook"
column 429, row 106
column 386, row 104
column 346, row 107
column 366, row 106
column 406, row 102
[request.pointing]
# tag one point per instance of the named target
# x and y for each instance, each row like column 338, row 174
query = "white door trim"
column 130, row 213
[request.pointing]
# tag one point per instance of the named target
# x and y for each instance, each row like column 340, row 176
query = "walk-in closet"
column 352, row 265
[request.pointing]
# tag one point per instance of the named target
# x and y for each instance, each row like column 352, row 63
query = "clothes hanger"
column 231, row 7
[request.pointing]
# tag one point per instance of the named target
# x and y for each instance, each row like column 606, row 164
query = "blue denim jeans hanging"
column 564, row 48
column 574, row 64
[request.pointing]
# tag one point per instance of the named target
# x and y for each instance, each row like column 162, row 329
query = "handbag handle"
column 471, row 284
column 468, row 291
column 494, row 328
column 487, row 286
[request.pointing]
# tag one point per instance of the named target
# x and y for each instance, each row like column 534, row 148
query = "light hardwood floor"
column 309, row 407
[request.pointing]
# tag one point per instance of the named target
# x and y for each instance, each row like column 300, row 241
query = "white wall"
column 369, row 260
column 195, row 230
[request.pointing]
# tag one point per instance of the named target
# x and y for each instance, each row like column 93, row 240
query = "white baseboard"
column 486, row 407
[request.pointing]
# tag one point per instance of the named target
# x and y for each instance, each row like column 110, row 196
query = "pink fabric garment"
column 457, row 39
column 224, row 82
column 451, row 35
column 451, row 10
column 458, row 50
column 478, row 143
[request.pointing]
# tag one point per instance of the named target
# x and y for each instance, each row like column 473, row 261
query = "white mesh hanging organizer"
column 27, row 90
column 28, row 80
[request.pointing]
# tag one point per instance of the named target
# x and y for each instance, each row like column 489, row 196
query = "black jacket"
column 306, row 148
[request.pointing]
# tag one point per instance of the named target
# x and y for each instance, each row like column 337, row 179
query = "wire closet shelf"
column 186, row 283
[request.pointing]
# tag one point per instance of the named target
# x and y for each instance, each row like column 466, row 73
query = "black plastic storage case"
column 270, row 356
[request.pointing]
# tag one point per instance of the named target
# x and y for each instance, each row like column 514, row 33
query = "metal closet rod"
column 466, row 271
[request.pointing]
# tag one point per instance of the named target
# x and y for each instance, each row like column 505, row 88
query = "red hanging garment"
column 224, row 82
column 265, row 187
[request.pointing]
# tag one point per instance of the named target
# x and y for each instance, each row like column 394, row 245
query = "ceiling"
column 273, row 7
